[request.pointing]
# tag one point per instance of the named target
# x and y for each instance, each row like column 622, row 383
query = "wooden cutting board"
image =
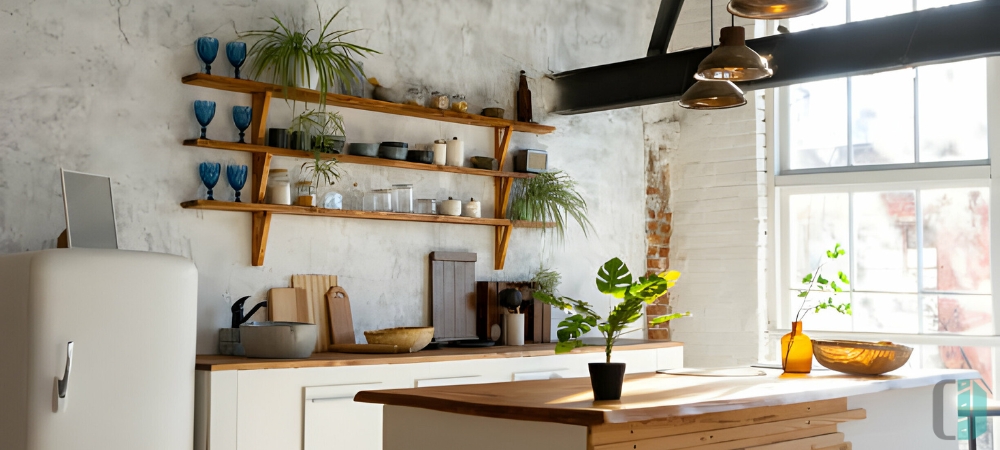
column 316, row 287
column 341, row 322
column 453, row 296
column 289, row 305
column 367, row 348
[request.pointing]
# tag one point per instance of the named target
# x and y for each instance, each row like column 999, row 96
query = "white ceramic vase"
column 514, row 329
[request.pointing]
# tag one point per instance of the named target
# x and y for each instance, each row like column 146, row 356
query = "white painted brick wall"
column 718, row 199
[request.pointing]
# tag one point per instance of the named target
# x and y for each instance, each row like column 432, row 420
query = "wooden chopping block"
column 316, row 287
column 289, row 305
column 341, row 321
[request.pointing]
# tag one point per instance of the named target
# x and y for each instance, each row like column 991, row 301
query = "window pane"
column 956, row 240
column 817, row 130
column 952, row 111
column 835, row 13
column 817, row 222
column 885, row 241
column 959, row 314
column 882, row 117
column 885, row 313
column 945, row 357
column 873, row 9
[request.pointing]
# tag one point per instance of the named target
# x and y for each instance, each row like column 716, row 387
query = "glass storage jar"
column 382, row 200
column 279, row 191
column 402, row 198
column 306, row 194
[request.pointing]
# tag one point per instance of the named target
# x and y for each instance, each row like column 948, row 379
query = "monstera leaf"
column 614, row 278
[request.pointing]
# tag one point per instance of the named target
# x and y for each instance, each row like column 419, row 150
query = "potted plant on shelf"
column 614, row 279
column 796, row 347
column 289, row 56
column 323, row 131
column 546, row 281
column 549, row 197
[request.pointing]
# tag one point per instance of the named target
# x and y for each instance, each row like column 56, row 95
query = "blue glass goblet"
column 237, row 176
column 237, row 54
column 208, row 49
column 241, row 117
column 209, row 172
column 204, row 110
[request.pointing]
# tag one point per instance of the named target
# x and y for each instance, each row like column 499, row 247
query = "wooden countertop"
column 649, row 396
column 219, row 362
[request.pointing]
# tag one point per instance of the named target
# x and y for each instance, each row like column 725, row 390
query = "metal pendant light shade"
column 774, row 9
column 713, row 95
column 733, row 60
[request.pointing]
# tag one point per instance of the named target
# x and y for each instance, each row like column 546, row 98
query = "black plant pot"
column 606, row 380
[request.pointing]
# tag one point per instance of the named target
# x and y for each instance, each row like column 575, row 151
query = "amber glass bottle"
column 796, row 351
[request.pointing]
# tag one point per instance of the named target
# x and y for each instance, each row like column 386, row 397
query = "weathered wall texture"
column 95, row 87
column 710, row 167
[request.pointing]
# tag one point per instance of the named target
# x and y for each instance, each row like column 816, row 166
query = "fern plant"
column 549, row 197
column 284, row 54
column 614, row 279
column 547, row 280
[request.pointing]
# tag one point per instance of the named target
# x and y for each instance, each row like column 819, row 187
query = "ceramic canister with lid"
column 451, row 207
column 440, row 149
column 456, row 152
column 472, row 209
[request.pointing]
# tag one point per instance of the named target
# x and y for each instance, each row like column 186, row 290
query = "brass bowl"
column 412, row 338
column 861, row 358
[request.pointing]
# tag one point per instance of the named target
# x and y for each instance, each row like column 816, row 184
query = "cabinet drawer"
column 333, row 420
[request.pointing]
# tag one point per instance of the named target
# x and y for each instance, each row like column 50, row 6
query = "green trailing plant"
column 321, row 125
column 549, row 197
column 614, row 279
column 283, row 55
column 546, row 281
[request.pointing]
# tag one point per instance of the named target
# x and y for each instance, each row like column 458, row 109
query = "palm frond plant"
column 284, row 55
column 549, row 197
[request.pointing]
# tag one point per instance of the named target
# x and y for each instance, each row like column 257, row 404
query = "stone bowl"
column 362, row 149
column 392, row 150
column 278, row 340
column 413, row 338
column 860, row 358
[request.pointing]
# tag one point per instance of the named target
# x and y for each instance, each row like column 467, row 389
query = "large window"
column 896, row 167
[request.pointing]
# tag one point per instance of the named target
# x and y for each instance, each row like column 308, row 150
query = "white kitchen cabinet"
column 313, row 408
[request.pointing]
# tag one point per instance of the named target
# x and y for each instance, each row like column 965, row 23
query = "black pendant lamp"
column 717, row 94
column 733, row 60
column 775, row 9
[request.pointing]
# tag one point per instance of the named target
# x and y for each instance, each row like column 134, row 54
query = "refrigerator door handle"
column 64, row 381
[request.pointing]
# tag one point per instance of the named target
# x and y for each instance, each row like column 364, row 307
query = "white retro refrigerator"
column 131, row 318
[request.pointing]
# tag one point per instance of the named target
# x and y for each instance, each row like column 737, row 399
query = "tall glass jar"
column 382, row 200
column 279, row 190
column 402, row 198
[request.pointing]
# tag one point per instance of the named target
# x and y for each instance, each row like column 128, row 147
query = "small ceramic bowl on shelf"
column 393, row 150
column 420, row 156
column 362, row 149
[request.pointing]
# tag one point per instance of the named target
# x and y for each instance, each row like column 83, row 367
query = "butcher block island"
column 697, row 410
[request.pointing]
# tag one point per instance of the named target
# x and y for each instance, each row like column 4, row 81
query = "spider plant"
column 549, row 197
column 283, row 55
column 325, row 170
column 547, row 280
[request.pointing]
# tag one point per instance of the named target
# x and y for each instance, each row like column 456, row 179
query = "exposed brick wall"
column 662, row 133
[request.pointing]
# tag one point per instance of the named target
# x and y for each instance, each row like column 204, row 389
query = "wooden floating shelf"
column 351, row 159
column 530, row 224
column 347, row 101
column 214, row 205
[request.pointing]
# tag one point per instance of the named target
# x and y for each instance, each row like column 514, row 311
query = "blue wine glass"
column 209, row 172
column 237, row 54
column 208, row 49
column 204, row 110
column 241, row 117
column 237, row 176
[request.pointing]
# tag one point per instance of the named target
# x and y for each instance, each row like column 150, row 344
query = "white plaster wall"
column 95, row 87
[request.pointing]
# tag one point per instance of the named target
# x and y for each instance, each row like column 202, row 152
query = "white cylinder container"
column 440, row 149
column 451, row 207
column 279, row 189
column 472, row 209
column 456, row 152
column 514, row 329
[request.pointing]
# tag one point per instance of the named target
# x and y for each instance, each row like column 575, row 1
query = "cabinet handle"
column 328, row 399
column 342, row 396
column 527, row 376
column 64, row 381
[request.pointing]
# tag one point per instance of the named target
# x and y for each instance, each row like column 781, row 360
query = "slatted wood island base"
column 670, row 412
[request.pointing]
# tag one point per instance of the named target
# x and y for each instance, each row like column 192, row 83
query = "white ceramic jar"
column 451, row 207
column 279, row 188
column 440, row 149
column 456, row 152
column 472, row 209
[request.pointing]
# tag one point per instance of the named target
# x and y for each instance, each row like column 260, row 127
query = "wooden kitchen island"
column 823, row 410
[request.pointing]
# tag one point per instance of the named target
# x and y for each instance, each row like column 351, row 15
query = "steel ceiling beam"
column 666, row 20
column 932, row 36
